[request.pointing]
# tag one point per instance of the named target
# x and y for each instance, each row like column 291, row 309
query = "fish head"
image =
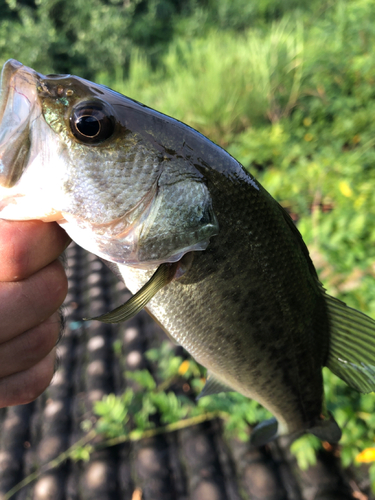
column 105, row 167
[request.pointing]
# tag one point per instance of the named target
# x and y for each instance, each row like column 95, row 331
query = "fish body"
column 235, row 317
column 148, row 193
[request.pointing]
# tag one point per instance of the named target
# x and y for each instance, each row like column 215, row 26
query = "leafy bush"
column 222, row 84
column 85, row 38
column 80, row 37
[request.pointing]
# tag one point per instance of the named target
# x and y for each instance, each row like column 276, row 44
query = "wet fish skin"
column 258, row 330
column 245, row 301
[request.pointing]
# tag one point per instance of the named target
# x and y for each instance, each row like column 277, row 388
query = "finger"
column 27, row 246
column 26, row 304
column 27, row 349
column 25, row 386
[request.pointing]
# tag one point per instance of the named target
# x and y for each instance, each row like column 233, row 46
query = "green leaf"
column 304, row 449
column 143, row 378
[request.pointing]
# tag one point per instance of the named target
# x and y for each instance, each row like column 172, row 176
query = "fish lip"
column 18, row 101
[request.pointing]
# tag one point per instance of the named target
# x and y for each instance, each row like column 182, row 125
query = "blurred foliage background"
column 287, row 87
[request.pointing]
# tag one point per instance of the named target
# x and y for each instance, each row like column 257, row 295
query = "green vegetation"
column 79, row 37
column 288, row 88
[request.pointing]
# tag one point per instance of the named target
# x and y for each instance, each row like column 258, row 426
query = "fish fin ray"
column 162, row 276
column 264, row 432
column 213, row 386
column 352, row 346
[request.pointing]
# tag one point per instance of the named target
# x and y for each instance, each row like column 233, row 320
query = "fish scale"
column 119, row 174
column 234, row 359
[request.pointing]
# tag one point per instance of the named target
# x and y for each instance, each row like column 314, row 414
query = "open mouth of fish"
column 20, row 142
column 18, row 107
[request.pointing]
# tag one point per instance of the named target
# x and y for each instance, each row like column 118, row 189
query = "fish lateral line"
column 164, row 274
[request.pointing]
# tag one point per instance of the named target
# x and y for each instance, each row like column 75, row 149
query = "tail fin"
column 352, row 346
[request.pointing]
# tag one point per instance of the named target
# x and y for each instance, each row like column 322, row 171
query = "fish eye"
column 92, row 122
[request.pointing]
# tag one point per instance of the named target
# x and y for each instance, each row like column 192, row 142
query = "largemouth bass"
column 213, row 257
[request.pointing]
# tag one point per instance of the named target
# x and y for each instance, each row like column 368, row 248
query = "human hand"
column 33, row 285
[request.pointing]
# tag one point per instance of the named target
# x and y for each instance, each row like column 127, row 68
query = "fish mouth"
column 18, row 104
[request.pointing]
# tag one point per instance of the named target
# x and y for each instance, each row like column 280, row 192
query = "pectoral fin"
column 162, row 276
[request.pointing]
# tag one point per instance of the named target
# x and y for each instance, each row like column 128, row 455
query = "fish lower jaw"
column 20, row 207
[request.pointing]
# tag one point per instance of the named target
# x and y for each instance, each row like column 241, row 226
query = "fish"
column 199, row 242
